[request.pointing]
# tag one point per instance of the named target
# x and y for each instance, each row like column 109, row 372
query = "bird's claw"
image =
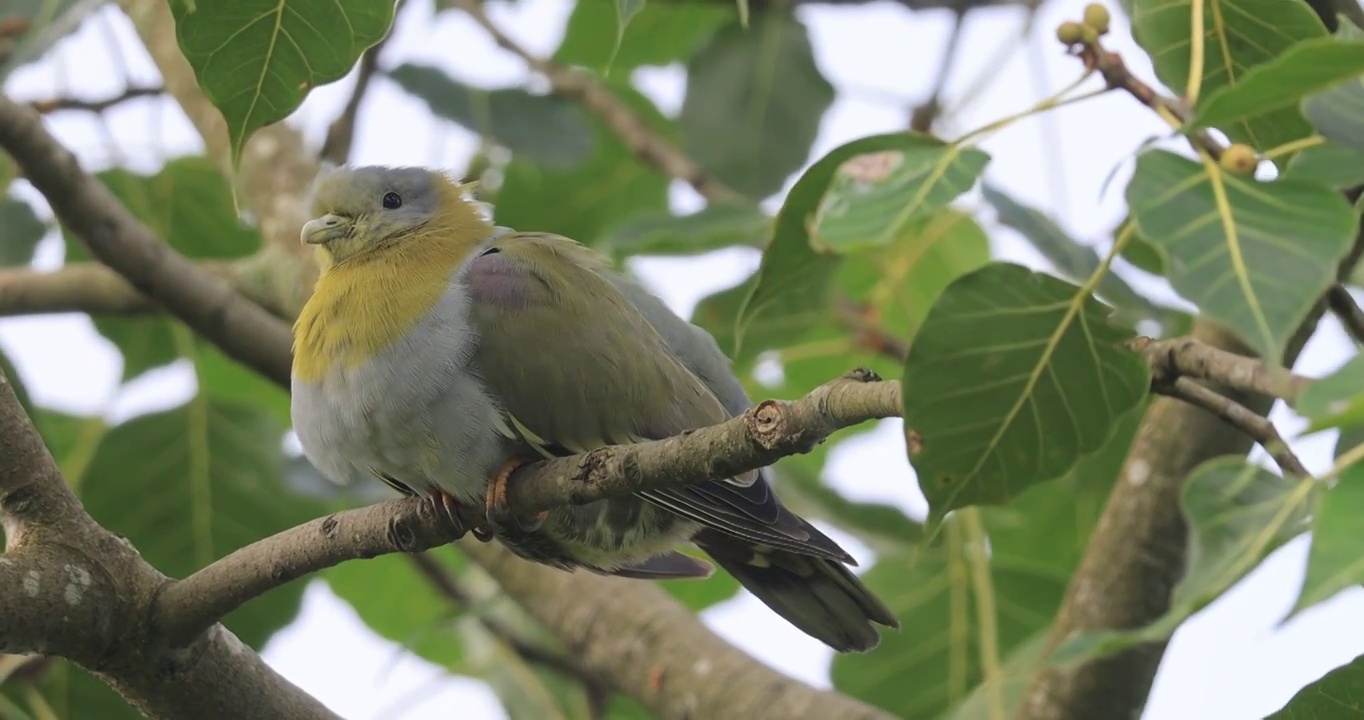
column 498, row 516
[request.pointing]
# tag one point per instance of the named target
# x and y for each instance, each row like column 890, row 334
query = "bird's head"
column 358, row 211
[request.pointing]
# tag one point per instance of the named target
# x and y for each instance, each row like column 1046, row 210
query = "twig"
column 1257, row 426
column 1190, row 357
column 341, row 133
column 1343, row 304
column 649, row 146
column 238, row 326
column 867, row 333
column 922, row 118
column 769, row 431
column 96, row 106
column 1116, row 75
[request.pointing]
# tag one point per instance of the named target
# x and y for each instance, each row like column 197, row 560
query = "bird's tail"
column 818, row 595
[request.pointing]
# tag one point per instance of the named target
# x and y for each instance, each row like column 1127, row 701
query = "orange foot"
column 496, row 504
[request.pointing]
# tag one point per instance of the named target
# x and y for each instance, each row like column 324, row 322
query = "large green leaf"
column 1072, row 259
column 190, row 485
column 793, row 282
column 257, row 59
column 1237, row 35
column 753, row 105
column 21, row 234
column 1335, row 696
column 546, row 129
column 1337, row 399
column 1336, row 559
column 932, row 663
column 188, row 204
column 1014, row 377
column 1238, row 513
column 1336, row 112
column 611, row 186
column 873, row 197
column 711, row 228
column 1334, row 165
column 661, row 33
column 1280, row 83
column 409, row 610
column 1254, row 255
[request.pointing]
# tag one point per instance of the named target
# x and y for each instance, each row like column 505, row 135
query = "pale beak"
column 324, row 229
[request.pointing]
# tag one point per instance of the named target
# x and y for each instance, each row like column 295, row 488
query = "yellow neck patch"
column 366, row 303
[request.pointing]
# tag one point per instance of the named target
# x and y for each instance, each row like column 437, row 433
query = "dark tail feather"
column 821, row 597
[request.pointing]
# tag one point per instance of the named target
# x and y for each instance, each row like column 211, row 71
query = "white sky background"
column 1230, row 662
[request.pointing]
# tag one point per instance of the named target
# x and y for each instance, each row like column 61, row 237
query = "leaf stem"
column 1057, row 100
column 1196, row 52
column 982, row 586
column 1289, row 148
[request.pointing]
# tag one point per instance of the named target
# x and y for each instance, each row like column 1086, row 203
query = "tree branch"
column 1257, row 426
column 1343, row 304
column 81, row 287
column 1191, row 357
column 76, row 590
column 53, row 105
column 238, row 326
column 767, row 432
column 649, row 146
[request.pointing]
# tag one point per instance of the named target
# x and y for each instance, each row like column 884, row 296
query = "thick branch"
column 209, row 305
column 1190, row 357
column 70, row 588
column 766, row 433
column 81, row 287
column 641, row 640
column 625, row 123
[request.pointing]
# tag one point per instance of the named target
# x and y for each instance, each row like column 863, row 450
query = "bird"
column 439, row 352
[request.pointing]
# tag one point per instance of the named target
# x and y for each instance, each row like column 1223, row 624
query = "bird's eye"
column 392, row 201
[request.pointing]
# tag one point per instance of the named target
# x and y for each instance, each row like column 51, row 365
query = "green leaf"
column 546, row 129
column 1015, row 675
column 257, row 59
column 793, row 282
column 1049, row 525
column 188, row 204
column 190, row 485
column 409, row 611
column 23, row 232
column 626, row 10
column 72, row 692
column 701, row 594
column 753, row 104
column 1335, row 113
column 1335, row 400
column 662, row 33
column 1074, row 260
column 1280, row 83
column 611, row 186
column 873, row 197
column 1014, row 377
column 1330, row 164
column 711, row 228
column 1335, row 696
column 932, row 663
column 1253, row 255
column 1336, row 559
column 1238, row 35
column 222, row 378
column 1238, row 513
